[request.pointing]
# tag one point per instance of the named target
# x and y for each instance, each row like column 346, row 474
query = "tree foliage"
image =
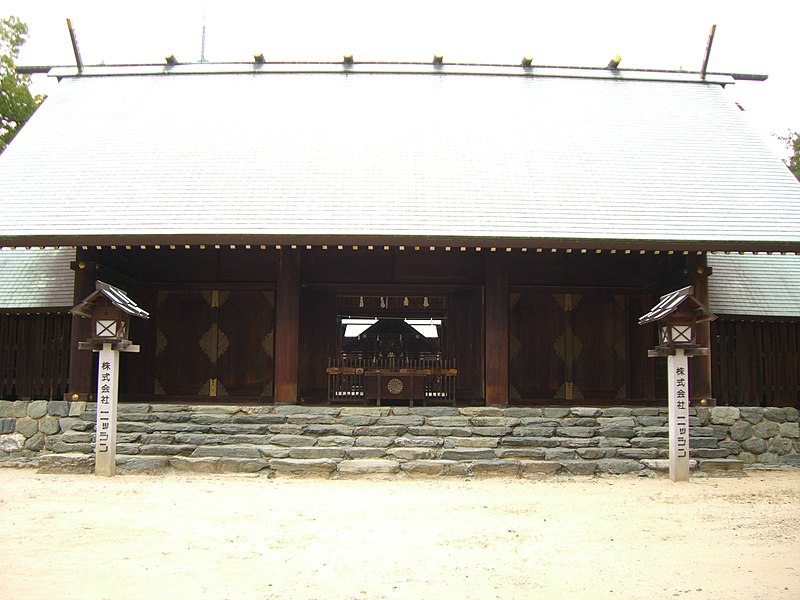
column 792, row 141
column 16, row 101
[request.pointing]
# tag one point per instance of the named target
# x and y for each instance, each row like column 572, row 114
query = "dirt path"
column 238, row 537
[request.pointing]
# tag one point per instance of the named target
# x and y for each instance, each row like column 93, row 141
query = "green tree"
column 792, row 141
column 16, row 101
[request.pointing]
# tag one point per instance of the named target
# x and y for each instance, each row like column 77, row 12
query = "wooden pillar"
column 496, row 349
column 287, row 326
column 81, row 361
column 697, row 275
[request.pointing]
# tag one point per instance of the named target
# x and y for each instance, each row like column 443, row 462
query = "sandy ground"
column 237, row 536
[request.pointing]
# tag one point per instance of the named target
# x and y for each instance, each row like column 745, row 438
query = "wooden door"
column 245, row 347
column 185, row 343
column 567, row 347
column 599, row 347
column 537, row 346
column 215, row 344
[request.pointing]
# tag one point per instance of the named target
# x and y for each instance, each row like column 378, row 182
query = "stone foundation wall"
column 344, row 441
column 28, row 427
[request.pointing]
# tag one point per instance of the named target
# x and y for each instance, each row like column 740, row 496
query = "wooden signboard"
column 678, row 397
column 106, row 429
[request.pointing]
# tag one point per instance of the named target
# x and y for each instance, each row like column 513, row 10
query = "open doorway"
column 392, row 338
column 391, row 349
column 431, row 339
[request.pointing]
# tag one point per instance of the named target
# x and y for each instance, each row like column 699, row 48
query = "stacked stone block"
column 28, row 428
column 350, row 441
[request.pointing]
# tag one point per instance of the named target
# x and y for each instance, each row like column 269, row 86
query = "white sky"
column 752, row 37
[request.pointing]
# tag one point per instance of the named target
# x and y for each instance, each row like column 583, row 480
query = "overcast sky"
column 752, row 37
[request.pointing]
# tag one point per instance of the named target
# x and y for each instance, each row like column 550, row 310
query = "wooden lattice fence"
column 756, row 362
column 34, row 356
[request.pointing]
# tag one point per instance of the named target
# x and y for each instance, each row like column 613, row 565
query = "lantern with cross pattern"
column 677, row 315
column 110, row 310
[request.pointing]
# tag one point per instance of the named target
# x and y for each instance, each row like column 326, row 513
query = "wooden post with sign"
column 110, row 310
column 678, row 397
column 678, row 314
column 105, row 450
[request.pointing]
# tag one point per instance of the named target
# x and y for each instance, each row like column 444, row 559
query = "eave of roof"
column 370, row 240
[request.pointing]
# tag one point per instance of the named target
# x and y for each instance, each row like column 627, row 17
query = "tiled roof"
column 388, row 158
column 36, row 279
column 755, row 285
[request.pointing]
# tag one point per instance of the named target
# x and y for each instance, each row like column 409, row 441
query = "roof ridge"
column 524, row 68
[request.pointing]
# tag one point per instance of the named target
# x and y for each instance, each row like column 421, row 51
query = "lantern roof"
column 685, row 300
column 117, row 297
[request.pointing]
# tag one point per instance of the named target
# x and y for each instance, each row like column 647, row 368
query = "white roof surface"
column 755, row 285
column 35, row 279
column 392, row 158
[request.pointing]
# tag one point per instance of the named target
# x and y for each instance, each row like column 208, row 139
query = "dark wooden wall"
column 481, row 326
column 464, row 341
column 756, row 362
column 319, row 335
column 378, row 266
column 34, row 356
